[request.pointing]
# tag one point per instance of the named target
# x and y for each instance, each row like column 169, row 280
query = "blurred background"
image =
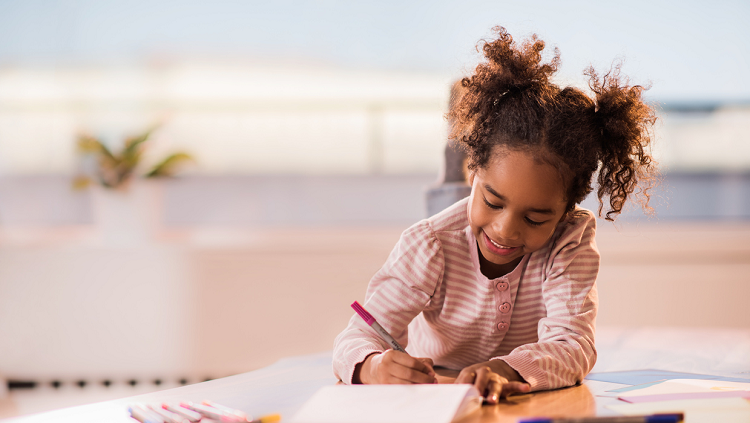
column 315, row 129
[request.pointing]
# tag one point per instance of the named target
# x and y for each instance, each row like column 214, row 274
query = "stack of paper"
column 389, row 404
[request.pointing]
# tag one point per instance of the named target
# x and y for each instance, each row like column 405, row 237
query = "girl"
column 501, row 285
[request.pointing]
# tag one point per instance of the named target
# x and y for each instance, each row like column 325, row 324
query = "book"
column 438, row 403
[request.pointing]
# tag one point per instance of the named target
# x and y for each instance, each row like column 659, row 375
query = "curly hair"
column 510, row 101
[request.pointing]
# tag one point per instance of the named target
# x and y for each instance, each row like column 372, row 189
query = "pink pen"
column 367, row 317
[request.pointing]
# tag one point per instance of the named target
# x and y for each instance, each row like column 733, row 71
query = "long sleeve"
column 397, row 293
column 565, row 350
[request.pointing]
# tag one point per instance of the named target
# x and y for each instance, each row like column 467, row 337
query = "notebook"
column 439, row 403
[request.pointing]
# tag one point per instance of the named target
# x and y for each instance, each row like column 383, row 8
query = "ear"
column 472, row 174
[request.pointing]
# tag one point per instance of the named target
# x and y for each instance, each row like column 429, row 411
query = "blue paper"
column 639, row 377
column 634, row 387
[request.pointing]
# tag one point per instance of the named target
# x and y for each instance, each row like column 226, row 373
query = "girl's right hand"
column 395, row 367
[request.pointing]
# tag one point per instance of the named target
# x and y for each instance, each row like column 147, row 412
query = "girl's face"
column 515, row 205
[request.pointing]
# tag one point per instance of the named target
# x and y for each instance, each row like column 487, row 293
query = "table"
column 284, row 386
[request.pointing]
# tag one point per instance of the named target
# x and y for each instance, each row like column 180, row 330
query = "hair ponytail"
column 624, row 121
column 510, row 100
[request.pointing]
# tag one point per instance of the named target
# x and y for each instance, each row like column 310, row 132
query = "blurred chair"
column 451, row 185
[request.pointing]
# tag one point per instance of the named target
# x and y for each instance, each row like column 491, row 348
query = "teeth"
column 498, row 245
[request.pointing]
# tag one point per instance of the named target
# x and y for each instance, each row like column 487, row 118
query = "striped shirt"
column 431, row 296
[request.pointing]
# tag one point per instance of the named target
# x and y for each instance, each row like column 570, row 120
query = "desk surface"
column 284, row 386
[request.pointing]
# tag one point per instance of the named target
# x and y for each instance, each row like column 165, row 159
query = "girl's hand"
column 395, row 367
column 493, row 379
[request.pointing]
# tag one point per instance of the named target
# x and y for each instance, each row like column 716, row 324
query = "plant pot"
column 128, row 216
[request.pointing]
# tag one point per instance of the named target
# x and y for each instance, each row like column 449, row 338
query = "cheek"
column 477, row 216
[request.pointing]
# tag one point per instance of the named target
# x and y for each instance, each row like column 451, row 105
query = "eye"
column 490, row 205
column 533, row 222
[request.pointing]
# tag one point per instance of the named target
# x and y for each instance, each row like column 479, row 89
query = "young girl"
column 502, row 285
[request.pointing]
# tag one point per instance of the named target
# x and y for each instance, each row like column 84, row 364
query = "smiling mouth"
column 504, row 247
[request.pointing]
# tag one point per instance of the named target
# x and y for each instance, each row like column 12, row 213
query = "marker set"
column 191, row 412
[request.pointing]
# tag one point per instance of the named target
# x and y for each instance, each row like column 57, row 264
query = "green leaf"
column 168, row 166
column 132, row 144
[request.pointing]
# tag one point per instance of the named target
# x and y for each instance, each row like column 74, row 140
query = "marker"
column 144, row 415
column 168, row 416
column 241, row 415
column 367, row 317
column 271, row 418
column 654, row 418
column 182, row 411
column 213, row 413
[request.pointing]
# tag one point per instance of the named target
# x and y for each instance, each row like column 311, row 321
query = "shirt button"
column 504, row 307
column 502, row 286
column 502, row 326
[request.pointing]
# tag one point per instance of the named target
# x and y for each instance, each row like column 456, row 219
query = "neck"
column 493, row 270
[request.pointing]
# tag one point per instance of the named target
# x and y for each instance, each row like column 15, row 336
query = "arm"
column 398, row 292
column 565, row 351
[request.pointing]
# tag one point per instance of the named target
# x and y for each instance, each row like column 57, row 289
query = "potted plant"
column 127, row 207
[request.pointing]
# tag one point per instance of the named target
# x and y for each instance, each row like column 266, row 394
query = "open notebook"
column 389, row 404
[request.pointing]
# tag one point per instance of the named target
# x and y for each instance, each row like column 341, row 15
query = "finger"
column 467, row 375
column 514, row 388
column 416, row 364
column 412, row 375
column 428, row 363
column 482, row 380
column 430, row 367
column 494, row 390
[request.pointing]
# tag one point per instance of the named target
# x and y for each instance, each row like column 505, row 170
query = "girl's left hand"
column 493, row 379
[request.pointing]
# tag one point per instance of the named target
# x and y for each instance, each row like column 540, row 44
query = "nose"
column 506, row 226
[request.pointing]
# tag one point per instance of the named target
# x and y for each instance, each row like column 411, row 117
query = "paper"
column 389, row 404
column 637, row 377
column 724, row 410
column 635, row 387
column 686, row 396
column 685, row 386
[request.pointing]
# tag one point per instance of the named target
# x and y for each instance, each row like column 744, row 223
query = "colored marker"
column 184, row 412
column 212, row 413
column 271, row 418
column 655, row 418
column 168, row 416
column 144, row 415
column 367, row 317
column 241, row 415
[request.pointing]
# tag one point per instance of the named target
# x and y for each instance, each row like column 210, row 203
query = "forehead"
column 523, row 177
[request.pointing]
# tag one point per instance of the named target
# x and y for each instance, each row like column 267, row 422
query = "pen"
column 367, row 317
column 271, row 418
column 242, row 416
column 654, row 418
column 144, row 415
column 182, row 411
column 213, row 413
column 168, row 416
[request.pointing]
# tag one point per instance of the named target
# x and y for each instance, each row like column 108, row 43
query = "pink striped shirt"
column 431, row 296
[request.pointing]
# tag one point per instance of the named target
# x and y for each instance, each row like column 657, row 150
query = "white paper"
column 682, row 386
column 724, row 410
column 439, row 403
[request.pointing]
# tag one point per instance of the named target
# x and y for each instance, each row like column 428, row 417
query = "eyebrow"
column 501, row 197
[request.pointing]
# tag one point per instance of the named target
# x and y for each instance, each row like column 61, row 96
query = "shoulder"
column 578, row 227
column 573, row 240
column 453, row 218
